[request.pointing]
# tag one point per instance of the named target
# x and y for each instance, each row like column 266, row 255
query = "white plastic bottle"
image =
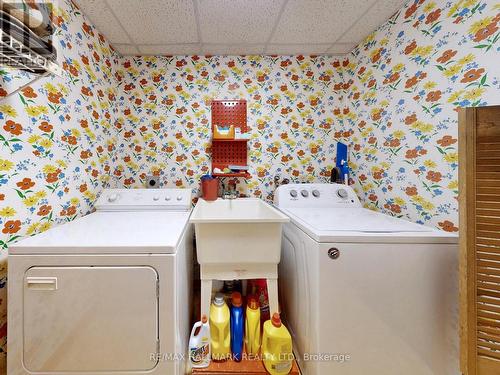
column 199, row 344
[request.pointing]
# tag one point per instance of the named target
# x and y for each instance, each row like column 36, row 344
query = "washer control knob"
column 304, row 193
column 342, row 193
column 167, row 198
column 315, row 193
column 113, row 197
column 179, row 198
column 293, row 193
column 156, row 197
column 333, row 253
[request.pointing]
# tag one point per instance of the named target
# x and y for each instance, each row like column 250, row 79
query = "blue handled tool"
column 342, row 163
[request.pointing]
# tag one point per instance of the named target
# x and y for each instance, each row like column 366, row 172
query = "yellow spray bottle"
column 277, row 347
column 252, row 327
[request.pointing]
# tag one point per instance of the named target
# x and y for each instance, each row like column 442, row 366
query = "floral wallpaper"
column 57, row 138
column 406, row 81
column 292, row 108
column 112, row 120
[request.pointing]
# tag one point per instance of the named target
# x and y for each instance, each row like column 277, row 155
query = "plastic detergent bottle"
column 199, row 344
column 277, row 347
column 236, row 326
column 220, row 334
column 258, row 287
column 252, row 326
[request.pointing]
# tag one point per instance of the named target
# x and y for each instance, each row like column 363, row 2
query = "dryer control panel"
column 315, row 195
column 144, row 200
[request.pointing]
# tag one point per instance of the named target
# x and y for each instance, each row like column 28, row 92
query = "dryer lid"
column 140, row 232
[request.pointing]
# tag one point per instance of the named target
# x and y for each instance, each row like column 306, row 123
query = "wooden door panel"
column 479, row 150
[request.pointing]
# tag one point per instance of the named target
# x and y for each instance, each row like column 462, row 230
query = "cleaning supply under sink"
column 199, row 344
column 277, row 347
column 237, row 326
column 231, row 286
column 252, row 326
column 258, row 287
column 220, row 328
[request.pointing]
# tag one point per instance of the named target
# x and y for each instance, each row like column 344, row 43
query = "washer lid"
column 360, row 225
column 140, row 232
column 354, row 220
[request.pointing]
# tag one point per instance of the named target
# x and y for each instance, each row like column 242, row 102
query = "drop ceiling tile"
column 293, row 49
column 318, row 21
column 170, row 49
column 377, row 15
column 341, row 48
column 224, row 49
column 126, row 49
column 101, row 16
column 237, row 21
column 157, row 21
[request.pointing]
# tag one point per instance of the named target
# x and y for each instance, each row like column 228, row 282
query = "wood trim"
column 467, row 193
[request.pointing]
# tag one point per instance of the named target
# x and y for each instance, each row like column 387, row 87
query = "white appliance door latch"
column 42, row 282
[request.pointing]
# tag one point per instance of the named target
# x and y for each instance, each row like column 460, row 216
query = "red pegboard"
column 230, row 112
column 226, row 151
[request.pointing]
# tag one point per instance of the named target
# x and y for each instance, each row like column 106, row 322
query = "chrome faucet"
column 230, row 192
column 277, row 181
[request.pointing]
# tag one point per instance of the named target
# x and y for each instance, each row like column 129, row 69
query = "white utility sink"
column 241, row 210
column 238, row 239
column 243, row 230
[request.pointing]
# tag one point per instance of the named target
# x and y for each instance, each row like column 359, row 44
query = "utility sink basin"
column 237, row 231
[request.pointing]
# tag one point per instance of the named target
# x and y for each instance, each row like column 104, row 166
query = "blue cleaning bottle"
column 237, row 326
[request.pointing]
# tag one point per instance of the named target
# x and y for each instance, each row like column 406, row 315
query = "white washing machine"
column 109, row 293
column 363, row 292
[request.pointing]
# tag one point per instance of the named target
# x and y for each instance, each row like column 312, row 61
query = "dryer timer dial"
column 113, row 197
